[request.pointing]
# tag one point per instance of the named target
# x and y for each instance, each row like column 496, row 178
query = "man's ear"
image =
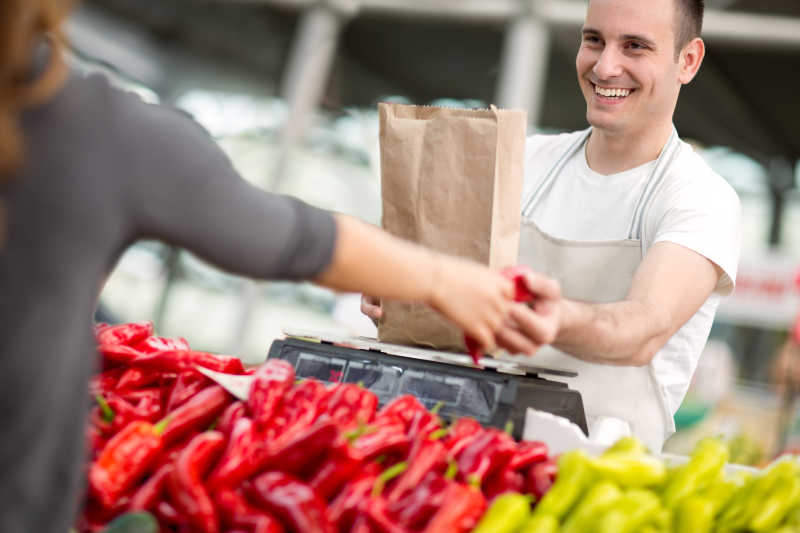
column 690, row 59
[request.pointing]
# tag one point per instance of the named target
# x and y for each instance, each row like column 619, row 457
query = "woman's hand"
column 474, row 297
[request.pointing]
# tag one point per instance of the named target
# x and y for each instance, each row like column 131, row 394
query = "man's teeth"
column 611, row 92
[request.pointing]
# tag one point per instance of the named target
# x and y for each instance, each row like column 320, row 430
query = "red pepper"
column 294, row 502
column 341, row 465
column 361, row 525
column 271, row 382
column 403, row 407
column 301, row 406
column 148, row 495
column 127, row 334
column 521, row 294
column 301, row 452
column 167, row 514
column 242, row 458
column 423, row 423
column 185, row 485
column 416, row 507
column 118, row 354
column 505, row 480
column 487, row 454
column 229, row 416
column 134, row 378
column 465, row 505
column 183, row 360
column 197, row 413
column 125, row 412
column 236, row 511
column 159, row 344
column 95, row 439
column 187, row 385
column 105, row 381
column 460, row 434
column 376, row 511
column 541, row 477
column 125, row 458
column 427, row 456
column 528, row 452
column 351, row 405
column 389, row 439
column 345, row 509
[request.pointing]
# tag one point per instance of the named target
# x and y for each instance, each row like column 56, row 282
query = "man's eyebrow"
column 627, row 37
column 641, row 38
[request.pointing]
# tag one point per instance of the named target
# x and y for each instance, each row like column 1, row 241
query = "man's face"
column 626, row 64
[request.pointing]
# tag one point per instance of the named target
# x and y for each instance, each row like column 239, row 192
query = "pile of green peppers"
column 627, row 490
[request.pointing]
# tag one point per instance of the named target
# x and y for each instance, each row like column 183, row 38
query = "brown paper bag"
column 452, row 181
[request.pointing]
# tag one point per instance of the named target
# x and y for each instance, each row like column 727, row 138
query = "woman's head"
column 23, row 23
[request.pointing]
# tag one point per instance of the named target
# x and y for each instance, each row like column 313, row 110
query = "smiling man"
column 642, row 235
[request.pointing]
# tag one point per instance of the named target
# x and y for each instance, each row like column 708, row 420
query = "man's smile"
column 611, row 94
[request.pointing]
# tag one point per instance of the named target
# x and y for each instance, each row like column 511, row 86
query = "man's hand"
column 530, row 327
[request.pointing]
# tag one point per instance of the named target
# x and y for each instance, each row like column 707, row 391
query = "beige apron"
column 601, row 271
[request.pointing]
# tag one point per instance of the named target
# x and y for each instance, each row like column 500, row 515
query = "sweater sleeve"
column 179, row 187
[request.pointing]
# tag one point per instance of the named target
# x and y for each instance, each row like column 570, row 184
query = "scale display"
column 490, row 397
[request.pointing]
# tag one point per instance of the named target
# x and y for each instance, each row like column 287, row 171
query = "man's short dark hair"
column 689, row 22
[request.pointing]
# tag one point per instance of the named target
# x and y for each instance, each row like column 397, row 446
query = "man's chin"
column 602, row 121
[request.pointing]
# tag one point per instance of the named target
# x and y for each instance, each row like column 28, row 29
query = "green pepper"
column 631, row 470
column 761, row 487
column 719, row 493
column 626, row 445
column 736, row 513
column 543, row 523
column 631, row 512
column 704, row 467
column 574, row 476
column 596, row 501
column 782, row 497
column 506, row 514
column 695, row 514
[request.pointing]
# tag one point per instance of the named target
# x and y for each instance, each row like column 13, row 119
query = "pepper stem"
column 386, row 476
column 108, row 412
column 162, row 424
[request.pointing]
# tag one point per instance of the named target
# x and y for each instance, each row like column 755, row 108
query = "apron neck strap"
column 535, row 195
column 635, row 230
column 665, row 159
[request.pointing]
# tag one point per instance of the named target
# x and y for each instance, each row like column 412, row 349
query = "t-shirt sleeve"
column 180, row 187
column 700, row 211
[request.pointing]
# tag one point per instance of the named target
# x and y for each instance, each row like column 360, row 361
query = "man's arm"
column 667, row 289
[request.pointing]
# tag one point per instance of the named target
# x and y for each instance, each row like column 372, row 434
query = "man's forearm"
column 621, row 333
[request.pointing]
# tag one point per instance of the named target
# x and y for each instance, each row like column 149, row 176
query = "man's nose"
column 608, row 65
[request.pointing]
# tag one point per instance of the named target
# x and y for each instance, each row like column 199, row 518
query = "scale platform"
column 499, row 392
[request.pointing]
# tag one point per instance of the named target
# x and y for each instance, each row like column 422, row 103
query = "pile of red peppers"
column 298, row 456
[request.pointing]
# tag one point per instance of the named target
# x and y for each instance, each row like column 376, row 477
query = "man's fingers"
column 515, row 342
column 543, row 286
column 532, row 325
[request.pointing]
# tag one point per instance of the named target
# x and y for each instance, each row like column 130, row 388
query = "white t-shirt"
column 695, row 208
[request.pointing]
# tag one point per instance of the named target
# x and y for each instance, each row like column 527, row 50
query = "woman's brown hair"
column 23, row 24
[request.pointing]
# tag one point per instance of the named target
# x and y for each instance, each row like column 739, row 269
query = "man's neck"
column 609, row 153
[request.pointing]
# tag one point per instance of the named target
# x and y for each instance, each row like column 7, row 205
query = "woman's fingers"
column 371, row 307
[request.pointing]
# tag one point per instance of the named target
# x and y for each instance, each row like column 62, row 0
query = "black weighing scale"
column 498, row 393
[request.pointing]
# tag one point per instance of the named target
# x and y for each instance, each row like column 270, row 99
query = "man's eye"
column 590, row 39
column 637, row 46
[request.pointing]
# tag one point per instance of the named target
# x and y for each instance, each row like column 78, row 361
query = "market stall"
column 311, row 447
